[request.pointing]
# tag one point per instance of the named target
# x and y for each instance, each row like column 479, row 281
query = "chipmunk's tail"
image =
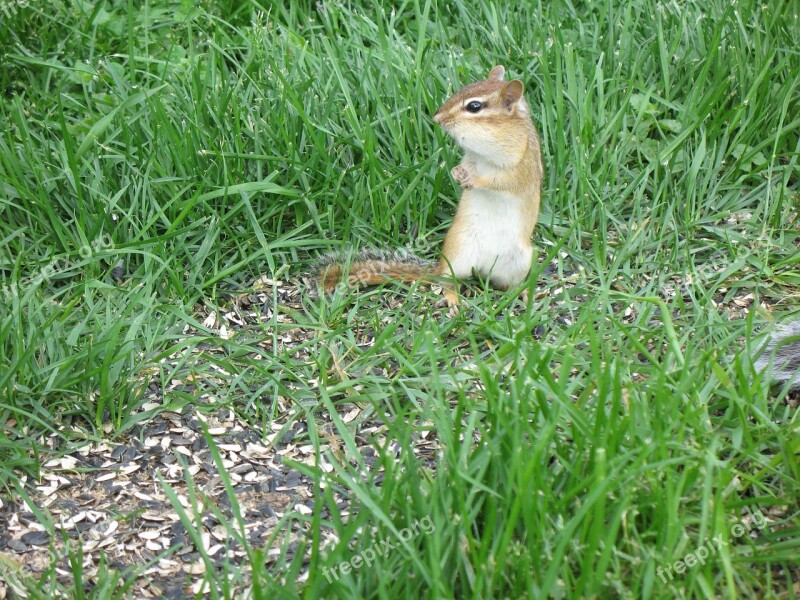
column 779, row 355
column 371, row 267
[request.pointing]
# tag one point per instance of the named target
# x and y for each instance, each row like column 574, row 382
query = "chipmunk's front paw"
column 462, row 176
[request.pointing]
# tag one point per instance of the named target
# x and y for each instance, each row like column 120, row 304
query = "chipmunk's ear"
column 511, row 93
column 497, row 73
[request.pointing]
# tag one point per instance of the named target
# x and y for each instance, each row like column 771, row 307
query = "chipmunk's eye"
column 474, row 106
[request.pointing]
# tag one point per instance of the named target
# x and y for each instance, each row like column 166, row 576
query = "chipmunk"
column 500, row 177
column 779, row 355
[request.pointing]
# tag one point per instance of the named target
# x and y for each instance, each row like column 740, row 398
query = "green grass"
column 600, row 435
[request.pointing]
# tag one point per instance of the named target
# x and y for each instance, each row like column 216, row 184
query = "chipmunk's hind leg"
column 450, row 286
column 450, row 293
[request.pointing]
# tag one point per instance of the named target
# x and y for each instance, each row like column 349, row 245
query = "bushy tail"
column 370, row 267
column 780, row 355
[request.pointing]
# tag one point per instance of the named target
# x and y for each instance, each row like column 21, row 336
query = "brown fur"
column 369, row 273
column 517, row 138
column 370, row 267
column 517, row 171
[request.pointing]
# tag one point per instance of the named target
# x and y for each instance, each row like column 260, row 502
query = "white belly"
column 492, row 243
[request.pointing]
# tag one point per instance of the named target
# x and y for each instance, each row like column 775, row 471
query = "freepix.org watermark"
column 9, row 9
column 709, row 548
column 57, row 265
column 381, row 547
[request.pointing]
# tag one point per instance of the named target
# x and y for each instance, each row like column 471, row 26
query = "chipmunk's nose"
column 437, row 116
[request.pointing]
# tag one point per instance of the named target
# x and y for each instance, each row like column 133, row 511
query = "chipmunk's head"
column 489, row 118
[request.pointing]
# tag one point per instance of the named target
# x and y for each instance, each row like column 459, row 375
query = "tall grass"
column 155, row 156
